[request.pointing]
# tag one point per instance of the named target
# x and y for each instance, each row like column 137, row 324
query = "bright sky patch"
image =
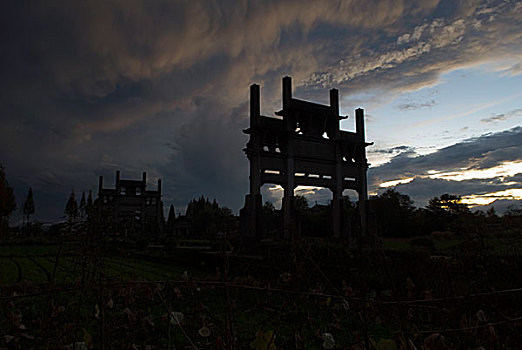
column 503, row 170
column 396, row 182
column 488, row 198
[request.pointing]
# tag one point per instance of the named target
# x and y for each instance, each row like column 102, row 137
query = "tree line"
column 75, row 214
column 203, row 217
column 8, row 205
column 391, row 214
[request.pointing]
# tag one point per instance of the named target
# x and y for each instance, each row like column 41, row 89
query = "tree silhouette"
column 513, row 218
column 7, row 202
column 71, row 210
column 393, row 214
column 447, row 204
column 301, row 203
column 28, row 208
column 207, row 217
column 82, row 208
column 89, row 204
column 170, row 220
column 89, row 207
column 91, row 213
column 447, row 212
column 513, row 210
column 270, row 219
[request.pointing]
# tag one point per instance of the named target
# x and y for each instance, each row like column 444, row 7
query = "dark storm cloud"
column 91, row 87
column 484, row 152
column 207, row 157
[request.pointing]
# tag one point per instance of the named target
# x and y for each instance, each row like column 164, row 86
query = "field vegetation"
column 430, row 292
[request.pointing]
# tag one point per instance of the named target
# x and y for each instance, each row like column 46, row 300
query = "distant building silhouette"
column 129, row 208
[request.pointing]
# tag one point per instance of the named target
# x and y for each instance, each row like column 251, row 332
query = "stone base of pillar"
column 337, row 218
column 291, row 227
column 363, row 222
column 250, row 225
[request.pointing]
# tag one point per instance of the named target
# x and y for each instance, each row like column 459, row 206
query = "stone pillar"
column 337, row 197
column 255, row 161
column 363, row 203
column 334, row 105
column 287, row 92
column 359, row 124
column 115, row 207
column 100, row 186
column 99, row 205
column 363, row 186
column 159, row 209
column 337, row 190
column 143, row 198
column 288, row 205
column 255, row 165
column 287, row 99
column 250, row 214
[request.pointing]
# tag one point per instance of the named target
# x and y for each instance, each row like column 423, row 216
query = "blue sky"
column 462, row 104
column 161, row 86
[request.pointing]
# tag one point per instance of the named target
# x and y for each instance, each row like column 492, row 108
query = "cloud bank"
column 486, row 164
column 91, row 87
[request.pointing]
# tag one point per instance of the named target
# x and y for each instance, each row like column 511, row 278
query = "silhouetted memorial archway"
column 304, row 147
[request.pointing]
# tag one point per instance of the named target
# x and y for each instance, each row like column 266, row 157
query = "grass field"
column 305, row 298
column 36, row 264
column 498, row 245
